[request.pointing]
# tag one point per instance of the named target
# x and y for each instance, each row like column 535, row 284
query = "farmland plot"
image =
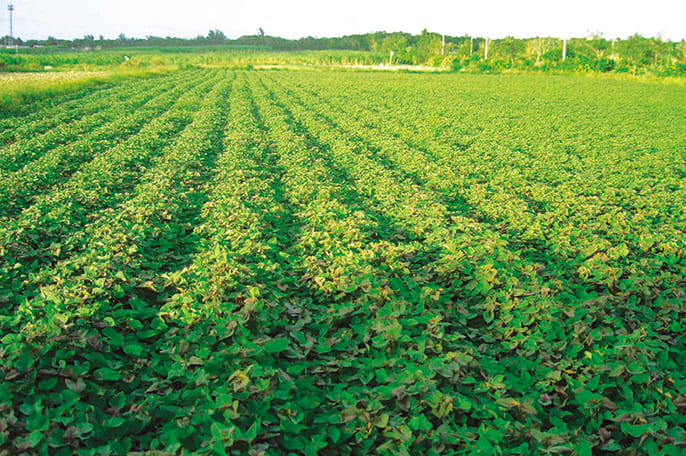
column 345, row 263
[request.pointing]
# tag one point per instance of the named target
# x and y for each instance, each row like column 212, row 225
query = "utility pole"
column 613, row 49
column 564, row 49
column 471, row 45
column 486, row 51
column 10, row 39
column 443, row 45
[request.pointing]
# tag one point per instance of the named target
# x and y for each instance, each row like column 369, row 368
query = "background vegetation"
column 198, row 259
column 320, row 263
column 635, row 55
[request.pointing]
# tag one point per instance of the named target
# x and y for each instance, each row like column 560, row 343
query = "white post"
column 390, row 59
column 613, row 49
column 486, row 51
column 471, row 45
column 443, row 45
column 564, row 49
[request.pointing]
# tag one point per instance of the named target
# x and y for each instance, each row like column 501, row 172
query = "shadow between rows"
column 171, row 244
column 75, row 111
column 39, row 247
column 531, row 250
column 60, row 169
column 285, row 225
column 345, row 183
column 32, row 107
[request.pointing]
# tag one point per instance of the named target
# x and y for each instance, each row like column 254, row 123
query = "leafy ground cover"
column 21, row 90
column 241, row 262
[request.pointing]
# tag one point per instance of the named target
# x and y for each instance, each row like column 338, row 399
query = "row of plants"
column 628, row 261
column 537, row 206
column 52, row 228
column 9, row 123
column 233, row 294
column 427, row 243
column 50, row 113
column 33, row 170
column 29, row 137
column 351, row 331
column 327, row 263
column 92, row 326
column 21, row 90
column 528, row 184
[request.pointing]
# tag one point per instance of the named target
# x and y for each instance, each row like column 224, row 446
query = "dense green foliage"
column 595, row 54
column 233, row 262
column 18, row 90
column 153, row 58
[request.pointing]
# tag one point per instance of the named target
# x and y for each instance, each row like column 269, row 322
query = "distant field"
column 264, row 262
column 155, row 58
column 19, row 90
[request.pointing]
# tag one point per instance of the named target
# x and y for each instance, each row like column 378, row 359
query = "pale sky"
column 38, row 19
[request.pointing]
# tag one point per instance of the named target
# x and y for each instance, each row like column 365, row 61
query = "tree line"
column 588, row 54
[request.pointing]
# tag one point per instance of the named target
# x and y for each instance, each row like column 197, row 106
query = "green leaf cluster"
column 345, row 263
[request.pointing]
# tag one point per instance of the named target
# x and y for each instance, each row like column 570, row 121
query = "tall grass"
column 152, row 58
column 19, row 89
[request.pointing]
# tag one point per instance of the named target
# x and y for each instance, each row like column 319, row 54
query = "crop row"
column 53, row 227
column 98, row 289
column 518, row 178
column 54, row 166
column 494, row 317
column 520, row 308
column 391, row 316
column 329, row 263
column 586, row 240
column 41, row 96
column 51, row 115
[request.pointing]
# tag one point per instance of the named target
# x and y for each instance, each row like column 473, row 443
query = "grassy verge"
column 19, row 89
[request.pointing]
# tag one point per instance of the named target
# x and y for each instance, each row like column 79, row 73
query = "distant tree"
column 463, row 49
column 351, row 42
column 155, row 41
column 636, row 51
column 89, row 38
column 598, row 45
column 122, row 38
column 375, row 39
column 216, row 37
column 393, row 42
column 593, row 51
column 659, row 47
column 508, row 48
column 398, row 44
column 539, row 46
column 428, row 45
column 681, row 50
column 260, row 32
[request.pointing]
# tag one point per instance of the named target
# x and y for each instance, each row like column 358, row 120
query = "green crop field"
column 335, row 262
